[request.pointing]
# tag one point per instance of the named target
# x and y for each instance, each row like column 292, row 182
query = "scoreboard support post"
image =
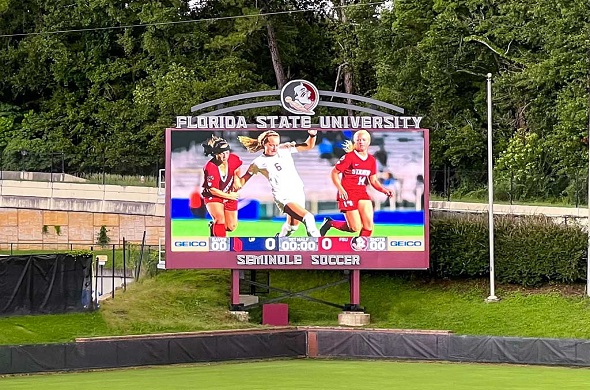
column 355, row 291
column 235, row 291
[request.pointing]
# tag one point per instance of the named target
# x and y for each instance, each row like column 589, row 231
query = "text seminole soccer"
column 330, row 260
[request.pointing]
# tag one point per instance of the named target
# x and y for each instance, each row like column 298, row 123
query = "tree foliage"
column 100, row 80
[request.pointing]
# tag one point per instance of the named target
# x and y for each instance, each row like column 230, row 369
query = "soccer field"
column 314, row 374
column 265, row 228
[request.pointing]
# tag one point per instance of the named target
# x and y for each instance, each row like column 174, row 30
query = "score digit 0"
column 326, row 243
column 270, row 244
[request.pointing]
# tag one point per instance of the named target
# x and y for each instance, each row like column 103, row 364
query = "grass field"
column 197, row 300
column 265, row 228
column 314, row 374
column 194, row 300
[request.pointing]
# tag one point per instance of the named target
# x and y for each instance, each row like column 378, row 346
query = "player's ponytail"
column 214, row 145
column 253, row 145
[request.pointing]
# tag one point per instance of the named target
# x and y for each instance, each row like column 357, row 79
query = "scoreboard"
column 298, row 244
column 301, row 252
column 400, row 239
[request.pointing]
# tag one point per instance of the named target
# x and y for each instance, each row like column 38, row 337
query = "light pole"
column 58, row 154
column 23, row 153
column 588, row 223
column 492, row 297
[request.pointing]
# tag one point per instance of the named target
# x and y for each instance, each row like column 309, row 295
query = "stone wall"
column 49, row 229
column 53, row 215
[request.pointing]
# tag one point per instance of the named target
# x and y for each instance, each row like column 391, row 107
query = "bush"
column 528, row 250
column 102, row 238
column 149, row 261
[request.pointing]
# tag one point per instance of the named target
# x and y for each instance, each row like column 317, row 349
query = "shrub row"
column 528, row 250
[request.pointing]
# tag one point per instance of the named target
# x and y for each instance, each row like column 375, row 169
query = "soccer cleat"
column 326, row 225
column 313, row 233
column 211, row 228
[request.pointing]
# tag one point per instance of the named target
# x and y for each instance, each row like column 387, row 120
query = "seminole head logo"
column 300, row 97
column 359, row 243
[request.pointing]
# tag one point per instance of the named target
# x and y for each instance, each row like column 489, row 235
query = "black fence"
column 290, row 343
column 113, row 265
column 45, row 284
column 13, row 248
column 146, row 350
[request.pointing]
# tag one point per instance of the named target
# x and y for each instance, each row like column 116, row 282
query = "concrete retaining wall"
column 95, row 198
column 56, row 214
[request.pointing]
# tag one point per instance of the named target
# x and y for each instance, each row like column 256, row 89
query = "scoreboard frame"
column 238, row 252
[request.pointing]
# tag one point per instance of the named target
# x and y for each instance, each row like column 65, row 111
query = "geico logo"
column 405, row 243
column 190, row 243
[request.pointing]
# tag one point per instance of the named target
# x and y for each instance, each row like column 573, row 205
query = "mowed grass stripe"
column 262, row 228
column 314, row 374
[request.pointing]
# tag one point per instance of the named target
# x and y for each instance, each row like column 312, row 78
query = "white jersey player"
column 276, row 164
column 279, row 169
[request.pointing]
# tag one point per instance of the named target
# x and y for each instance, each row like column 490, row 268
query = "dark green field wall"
column 290, row 343
column 152, row 350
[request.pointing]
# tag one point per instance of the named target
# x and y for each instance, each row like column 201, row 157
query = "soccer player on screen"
column 350, row 175
column 221, row 180
column 276, row 164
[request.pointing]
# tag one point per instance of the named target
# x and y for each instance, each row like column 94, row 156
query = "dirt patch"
column 573, row 290
column 570, row 290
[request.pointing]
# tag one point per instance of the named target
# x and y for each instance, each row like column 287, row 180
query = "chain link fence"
column 569, row 189
column 64, row 167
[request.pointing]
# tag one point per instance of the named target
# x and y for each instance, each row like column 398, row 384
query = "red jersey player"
column 350, row 175
column 220, row 181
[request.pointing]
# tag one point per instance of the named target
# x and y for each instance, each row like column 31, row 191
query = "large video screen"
column 379, row 225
